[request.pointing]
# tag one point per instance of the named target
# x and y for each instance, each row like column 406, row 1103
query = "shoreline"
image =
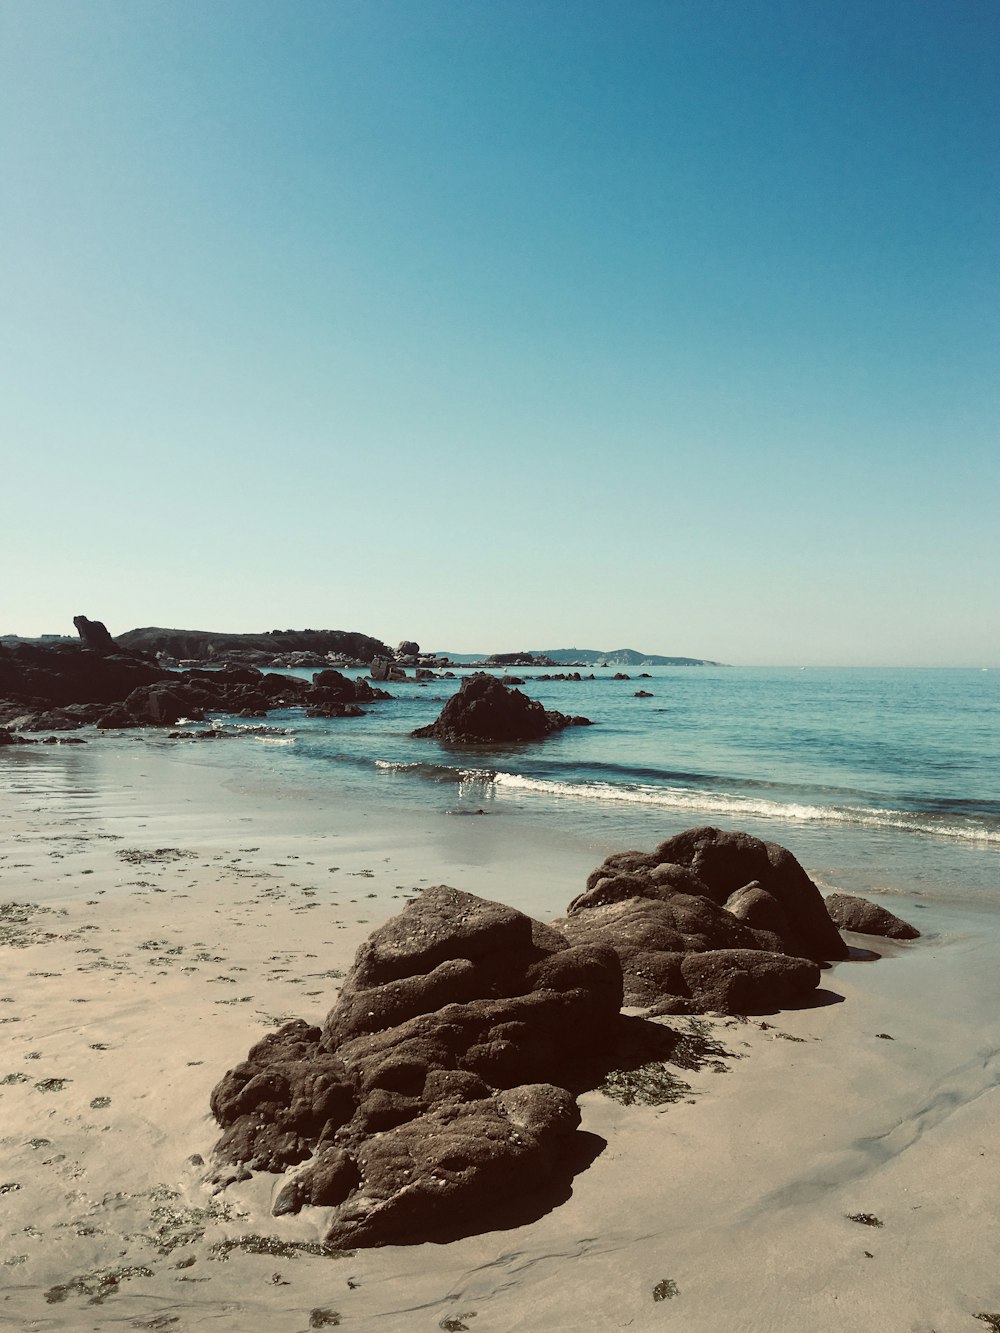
column 739, row 1199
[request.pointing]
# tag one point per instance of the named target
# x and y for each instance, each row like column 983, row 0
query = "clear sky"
column 500, row 324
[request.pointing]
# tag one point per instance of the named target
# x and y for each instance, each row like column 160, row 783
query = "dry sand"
column 172, row 922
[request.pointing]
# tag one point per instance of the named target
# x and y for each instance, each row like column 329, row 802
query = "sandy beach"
column 165, row 922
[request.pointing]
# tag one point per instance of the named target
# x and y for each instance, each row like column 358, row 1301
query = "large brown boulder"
column 332, row 687
column 759, row 882
column 865, row 918
column 683, row 953
column 160, row 705
column 708, row 921
column 745, row 981
column 453, row 1165
column 438, row 1082
column 484, row 709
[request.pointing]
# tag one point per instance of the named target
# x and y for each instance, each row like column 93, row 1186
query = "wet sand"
column 169, row 922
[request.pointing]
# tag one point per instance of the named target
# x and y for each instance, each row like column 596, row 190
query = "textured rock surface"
column 436, row 1087
column 685, row 954
column 858, row 914
column 454, row 1164
column 331, row 687
column 757, row 881
column 484, row 709
column 708, row 921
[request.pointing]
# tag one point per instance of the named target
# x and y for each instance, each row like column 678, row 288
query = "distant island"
column 580, row 657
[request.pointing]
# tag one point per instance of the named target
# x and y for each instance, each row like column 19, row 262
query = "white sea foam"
column 731, row 804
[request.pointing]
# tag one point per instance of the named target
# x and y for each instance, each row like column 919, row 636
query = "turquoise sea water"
column 889, row 779
column 885, row 781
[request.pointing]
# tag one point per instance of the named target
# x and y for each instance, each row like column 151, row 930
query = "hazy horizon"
column 677, row 321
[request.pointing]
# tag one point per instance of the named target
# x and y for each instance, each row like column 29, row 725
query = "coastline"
column 738, row 1197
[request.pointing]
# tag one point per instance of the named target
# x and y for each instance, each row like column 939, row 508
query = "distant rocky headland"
column 265, row 649
column 576, row 657
column 284, row 648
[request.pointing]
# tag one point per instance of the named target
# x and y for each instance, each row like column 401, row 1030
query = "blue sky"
column 498, row 324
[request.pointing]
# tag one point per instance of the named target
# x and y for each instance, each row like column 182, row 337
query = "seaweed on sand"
column 99, row 1285
column 665, row 1290
column 642, row 1081
column 284, row 1249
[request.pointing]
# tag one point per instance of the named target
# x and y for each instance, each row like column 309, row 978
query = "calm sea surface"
column 885, row 780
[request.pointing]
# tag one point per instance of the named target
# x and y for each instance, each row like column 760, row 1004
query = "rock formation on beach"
column 708, row 920
column 484, row 709
column 442, row 1084
column 865, row 918
column 241, row 690
column 435, row 1091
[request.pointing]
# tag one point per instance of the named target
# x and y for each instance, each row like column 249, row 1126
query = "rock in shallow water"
column 484, row 709
column 858, row 914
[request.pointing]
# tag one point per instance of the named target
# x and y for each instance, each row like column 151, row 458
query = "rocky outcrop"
column 685, row 954
column 708, row 921
column 331, row 687
column 195, row 693
column 217, row 647
column 10, row 738
column 441, row 1086
column 758, row 882
column 408, row 649
column 436, row 1089
column 484, row 709
column 57, row 687
column 865, row 918
column 520, row 659
column 94, row 635
column 66, row 673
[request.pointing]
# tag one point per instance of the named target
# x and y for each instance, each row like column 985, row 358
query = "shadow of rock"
column 856, row 955
column 817, row 999
column 508, row 1214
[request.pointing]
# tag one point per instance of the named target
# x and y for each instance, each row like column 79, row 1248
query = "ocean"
column 884, row 781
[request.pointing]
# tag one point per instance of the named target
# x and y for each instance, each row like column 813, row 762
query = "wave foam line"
column 719, row 803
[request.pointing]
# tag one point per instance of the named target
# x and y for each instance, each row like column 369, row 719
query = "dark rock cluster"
column 710, row 920
column 245, row 691
column 442, row 1085
column 485, row 709
column 63, row 686
column 436, row 1090
column 66, row 684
